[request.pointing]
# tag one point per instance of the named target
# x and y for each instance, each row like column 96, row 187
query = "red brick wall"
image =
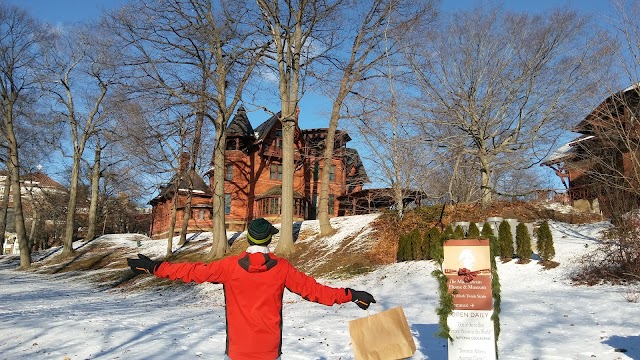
column 251, row 178
column 161, row 216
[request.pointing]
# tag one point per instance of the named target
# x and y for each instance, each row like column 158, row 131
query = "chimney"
column 183, row 164
column 297, row 113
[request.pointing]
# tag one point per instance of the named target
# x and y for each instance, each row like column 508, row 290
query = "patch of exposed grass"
column 549, row 264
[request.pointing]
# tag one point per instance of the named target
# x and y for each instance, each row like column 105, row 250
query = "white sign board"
column 472, row 333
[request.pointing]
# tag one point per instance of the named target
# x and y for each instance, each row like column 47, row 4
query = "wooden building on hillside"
column 253, row 177
column 601, row 165
column 163, row 203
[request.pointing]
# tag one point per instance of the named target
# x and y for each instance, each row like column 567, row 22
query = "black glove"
column 362, row 298
column 143, row 265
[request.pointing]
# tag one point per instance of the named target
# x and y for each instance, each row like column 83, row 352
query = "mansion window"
column 201, row 214
column 316, row 172
column 227, row 204
column 278, row 139
column 232, row 144
column 272, row 207
column 228, row 175
column 276, row 172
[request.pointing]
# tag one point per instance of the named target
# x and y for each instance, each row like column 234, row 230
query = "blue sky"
column 67, row 11
column 315, row 108
column 64, row 11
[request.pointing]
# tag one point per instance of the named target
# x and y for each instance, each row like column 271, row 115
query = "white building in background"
column 36, row 189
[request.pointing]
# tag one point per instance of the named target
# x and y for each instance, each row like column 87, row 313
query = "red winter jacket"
column 253, row 288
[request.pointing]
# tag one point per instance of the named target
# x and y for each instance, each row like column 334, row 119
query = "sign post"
column 467, row 266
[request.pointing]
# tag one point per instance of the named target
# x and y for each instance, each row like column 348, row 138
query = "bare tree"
column 376, row 32
column 292, row 26
column 507, row 83
column 399, row 158
column 20, row 37
column 215, row 40
column 95, row 189
column 79, row 78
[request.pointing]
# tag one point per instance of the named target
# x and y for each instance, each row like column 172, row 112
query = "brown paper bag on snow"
column 382, row 336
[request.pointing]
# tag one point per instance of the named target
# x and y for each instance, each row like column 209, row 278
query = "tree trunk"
column 4, row 205
column 285, row 245
column 21, row 231
column 220, row 243
column 69, row 230
column 186, row 215
column 485, row 183
column 323, row 203
column 95, row 183
column 33, row 239
column 399, row 198
column 174, row 214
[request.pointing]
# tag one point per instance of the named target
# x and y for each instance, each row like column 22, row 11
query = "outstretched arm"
column 311, row 290
column 187, row 272
column 143, row 265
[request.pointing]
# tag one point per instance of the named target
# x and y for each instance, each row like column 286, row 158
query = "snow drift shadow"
column 578, row 232
column 429, row 344
column 629, row 345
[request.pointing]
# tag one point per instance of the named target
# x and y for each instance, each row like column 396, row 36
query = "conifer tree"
column 546, row 250
column 473, row 232
column 401, row 248
column 448, row 232
column 436, row 252
column 505, row 239
column 416, row 248
column 426, row 247
column 487, row 231
column 458, row 233
column 408, row 248
column 523, row 242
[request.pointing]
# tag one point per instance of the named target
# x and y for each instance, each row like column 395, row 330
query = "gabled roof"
column 263, row 129
column 239, row 125
column 610, row 107
column 41, row 180
column 353, row 161
column 566, row 151
column 200, row 188
column 38, row 179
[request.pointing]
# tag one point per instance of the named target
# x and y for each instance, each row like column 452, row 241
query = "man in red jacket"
column 253, row 283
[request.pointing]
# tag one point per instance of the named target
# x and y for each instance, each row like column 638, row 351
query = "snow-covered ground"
column 543, row 315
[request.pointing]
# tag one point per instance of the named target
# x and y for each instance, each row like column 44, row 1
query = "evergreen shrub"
column 546, row 250
column 416, row 244
column 506, row 240
column 436, row 252
column 487, row 231
column 458, row 233
column 425, row 245
column 523, row 242
column 448, row 233
column 473, row 232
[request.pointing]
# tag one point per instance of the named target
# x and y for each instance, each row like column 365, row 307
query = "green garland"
column 495, row 289
column 445, row 307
